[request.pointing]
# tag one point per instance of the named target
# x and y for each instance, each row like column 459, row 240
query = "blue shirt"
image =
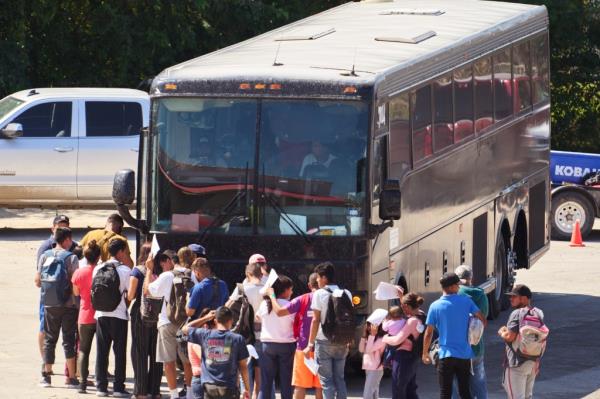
column 49, row 244
column 221, row 352
column 202, row 295
column 450, row 317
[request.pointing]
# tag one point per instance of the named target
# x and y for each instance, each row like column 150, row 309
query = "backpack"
column 178, row 298
column 150, row 307
column 56, row 287
column 533, row 335
column 243, row 316
column 417, row 348
column 340, row 323
column 299, row 317
column 106, row 292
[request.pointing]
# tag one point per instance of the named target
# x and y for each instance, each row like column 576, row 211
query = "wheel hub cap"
column 567, row 214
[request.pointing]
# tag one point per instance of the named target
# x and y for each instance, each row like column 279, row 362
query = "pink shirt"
column 410, row 328
column 372, row 352
column 195, row 360
column 82, row 278
column 393, row 327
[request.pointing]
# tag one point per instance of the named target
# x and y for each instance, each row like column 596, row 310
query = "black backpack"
column 150, row 307
column 340, row 321
column 417, row 348
column 56, row 287
column 243, row 317
column 106, row 293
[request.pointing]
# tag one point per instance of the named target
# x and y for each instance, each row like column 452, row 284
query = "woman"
column 82, row 287
column 147, row 372
column 278, row 342
column 404, row 362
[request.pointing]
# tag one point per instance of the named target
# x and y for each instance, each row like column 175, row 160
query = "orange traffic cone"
column 576, row 240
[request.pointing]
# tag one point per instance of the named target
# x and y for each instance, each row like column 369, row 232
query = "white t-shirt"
column 275, row 328
column 252, row 292
column 310, row 159
column 320, row 302
column 161, row 288
column 121, row 311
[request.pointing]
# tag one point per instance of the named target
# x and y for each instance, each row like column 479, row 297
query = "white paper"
column 286, row 229
column 377, row 317
column 311, row 364
column 155, row 247
column 272, row 278
column 252, row 351
column 386, row 291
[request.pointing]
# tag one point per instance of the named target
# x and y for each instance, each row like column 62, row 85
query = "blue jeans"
column 277, row 357
column 253, row 364
column 331, row 359
column 197, row 389
column 477, row 382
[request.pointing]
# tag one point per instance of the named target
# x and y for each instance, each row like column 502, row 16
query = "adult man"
column 111, row 326
column 59, row 221
column 477, row 381
column 59, row 315
column 319, row 155
column 167, row 349
column 302, row 377
column 520, row 371
column 224, row 354
column 112, row 231
column 449, row 315
column 330, row 356
column 210, row 292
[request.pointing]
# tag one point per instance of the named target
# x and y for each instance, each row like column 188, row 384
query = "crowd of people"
column 260, row 336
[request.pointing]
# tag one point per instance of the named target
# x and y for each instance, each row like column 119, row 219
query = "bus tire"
column 568, row 206
column 496, row 298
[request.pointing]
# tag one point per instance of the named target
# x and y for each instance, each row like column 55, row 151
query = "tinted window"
column 46, row 120
column 484, row 105
column 7, row 104
column 521, row 76
column 400, row 161
column 113, row 118
column 463, row 103
column 380, row 155
column 540, row 72
column 443, row 113
column 502, row 84
column 421, row 122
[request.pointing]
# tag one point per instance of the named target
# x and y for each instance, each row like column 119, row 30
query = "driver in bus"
column 206, row 155
column 319, row 155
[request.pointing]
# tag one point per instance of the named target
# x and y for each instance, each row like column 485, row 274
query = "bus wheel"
column 496, row 297
column 567, row 208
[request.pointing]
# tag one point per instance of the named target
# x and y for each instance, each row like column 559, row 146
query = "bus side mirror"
column 124, row 187
column 12, row 131
column 390, row 199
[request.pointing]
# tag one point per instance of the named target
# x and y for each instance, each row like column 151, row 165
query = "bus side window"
column 400, row 161
column 540, row 74
column 421, row 123
column 443, row 131
column 502, row 84
column 521, row 77
column 463, row 103
column 380, row 157
column 484, row 105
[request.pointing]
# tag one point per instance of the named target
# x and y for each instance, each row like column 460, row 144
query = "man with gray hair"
column 477, row 380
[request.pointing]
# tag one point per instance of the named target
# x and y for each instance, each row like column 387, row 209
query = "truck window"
column 463, row 103
column 400, row 161
column 484, row 106
column 46, row 120
column 104, row 118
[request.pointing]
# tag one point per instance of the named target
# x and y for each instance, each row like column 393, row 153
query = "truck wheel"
column 497, row 298
column 567, row 207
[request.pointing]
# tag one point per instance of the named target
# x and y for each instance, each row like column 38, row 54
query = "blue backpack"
column 56, row 287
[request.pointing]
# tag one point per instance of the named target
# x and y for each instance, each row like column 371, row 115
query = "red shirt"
column 82, row 278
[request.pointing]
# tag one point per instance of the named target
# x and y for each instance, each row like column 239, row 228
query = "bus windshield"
column 258, row 166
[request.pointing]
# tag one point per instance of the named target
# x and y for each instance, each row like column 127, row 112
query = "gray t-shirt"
column 72, row 264
column 513, row 358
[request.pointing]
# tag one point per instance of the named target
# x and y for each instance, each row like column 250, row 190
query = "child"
column 371, row 345
column 395, row 321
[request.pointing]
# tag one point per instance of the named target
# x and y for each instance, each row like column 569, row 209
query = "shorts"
column 167, row 347
column 301, row 375
column 41, row 316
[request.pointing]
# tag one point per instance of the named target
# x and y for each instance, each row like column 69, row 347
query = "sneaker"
column 183, row 392
column 122, row 394
column 45, row 382
column 102, row 394
column 73, row 383
column 82, row 389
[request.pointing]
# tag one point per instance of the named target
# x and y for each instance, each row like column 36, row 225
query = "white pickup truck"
column 62, row 146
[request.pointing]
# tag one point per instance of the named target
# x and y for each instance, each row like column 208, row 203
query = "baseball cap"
column 61, row 219
column 520, row 290
column 198, row 249
column 464, row 273
column 257, row 258
column 449, row 279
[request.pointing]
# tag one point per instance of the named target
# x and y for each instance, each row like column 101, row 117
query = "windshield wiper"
column 282, row 213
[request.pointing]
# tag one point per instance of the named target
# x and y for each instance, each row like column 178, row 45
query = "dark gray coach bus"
column 397, row 140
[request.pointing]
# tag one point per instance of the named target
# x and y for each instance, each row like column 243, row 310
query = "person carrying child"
column 371, row 346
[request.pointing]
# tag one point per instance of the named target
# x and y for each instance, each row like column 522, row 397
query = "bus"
column 397, row 140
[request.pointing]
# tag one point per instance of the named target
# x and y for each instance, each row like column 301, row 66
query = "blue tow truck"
column 575, row 180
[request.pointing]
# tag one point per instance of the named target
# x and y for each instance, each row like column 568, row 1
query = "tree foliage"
column 120, row 43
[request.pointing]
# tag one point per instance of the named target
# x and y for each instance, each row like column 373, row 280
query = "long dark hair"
column 380, row 332
column 282, row 284
column 92, row 252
